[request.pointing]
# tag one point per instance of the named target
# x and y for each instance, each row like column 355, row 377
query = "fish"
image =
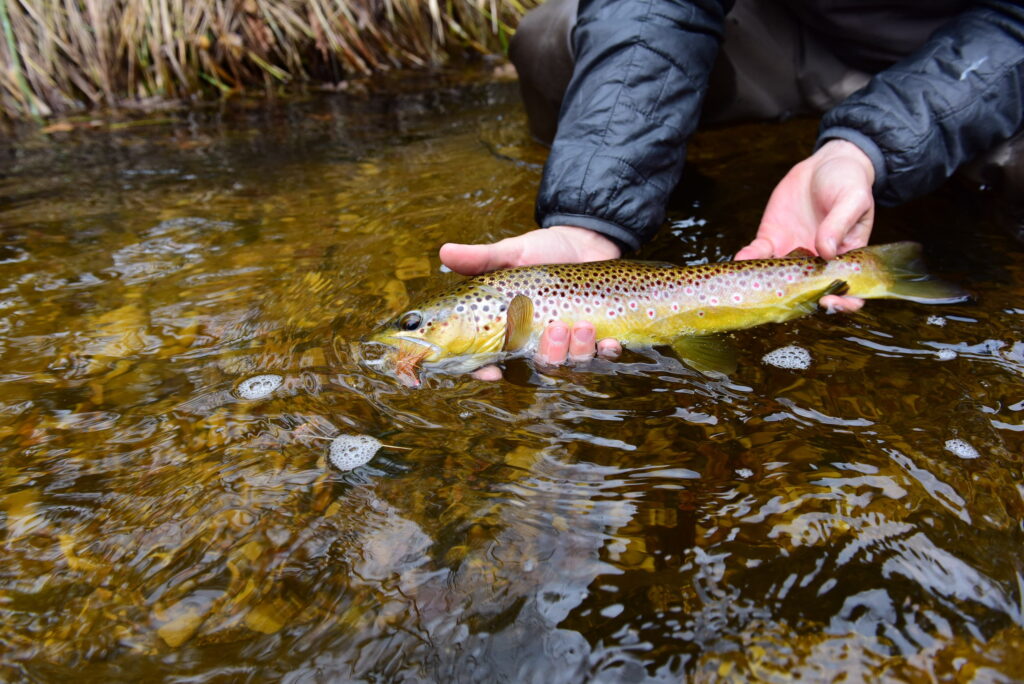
column 499, row 315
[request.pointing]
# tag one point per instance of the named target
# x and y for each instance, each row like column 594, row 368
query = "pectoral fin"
column 518, row 323
column 706, row 353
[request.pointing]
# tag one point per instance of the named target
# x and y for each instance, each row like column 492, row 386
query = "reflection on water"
column 179, row 306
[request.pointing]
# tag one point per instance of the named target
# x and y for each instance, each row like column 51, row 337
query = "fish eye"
column 410, row 321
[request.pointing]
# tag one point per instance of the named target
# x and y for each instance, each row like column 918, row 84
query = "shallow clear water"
column 623, row 522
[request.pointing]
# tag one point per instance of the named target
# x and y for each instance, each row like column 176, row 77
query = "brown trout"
column 642, row 304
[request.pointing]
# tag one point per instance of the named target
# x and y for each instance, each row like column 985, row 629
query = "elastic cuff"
column 626, row 240
column 866, row 145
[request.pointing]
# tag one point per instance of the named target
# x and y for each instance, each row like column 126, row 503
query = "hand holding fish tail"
column 824, row 205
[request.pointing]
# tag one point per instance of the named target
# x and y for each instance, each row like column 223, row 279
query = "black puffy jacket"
column 642, row 69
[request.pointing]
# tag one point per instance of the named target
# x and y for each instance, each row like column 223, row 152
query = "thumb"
column 846, row 225
column 760, row 248
column 475, row 259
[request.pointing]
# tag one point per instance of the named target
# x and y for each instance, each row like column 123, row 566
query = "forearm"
column 640, row 77
column 956, row 97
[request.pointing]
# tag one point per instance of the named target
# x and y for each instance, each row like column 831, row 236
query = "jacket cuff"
column 626, row 240
column 866, row 145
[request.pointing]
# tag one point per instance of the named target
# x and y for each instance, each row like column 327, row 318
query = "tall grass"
column 60, row 55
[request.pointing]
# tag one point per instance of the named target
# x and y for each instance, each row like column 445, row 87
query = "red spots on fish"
column 778, row 293
column 737, row 298
column 675, row 306
column 713, row 301
column 651, row 313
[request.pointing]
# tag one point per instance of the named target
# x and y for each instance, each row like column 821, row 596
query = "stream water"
column 859, row 518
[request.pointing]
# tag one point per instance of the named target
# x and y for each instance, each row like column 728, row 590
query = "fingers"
column 487, row 373
column 609, row 348
column 475, row 259
column 847, row 226
column 581, row 343
column 837, row 304
column 560, row 343
column 760, row 248
column 553, row 348
column 555, row 245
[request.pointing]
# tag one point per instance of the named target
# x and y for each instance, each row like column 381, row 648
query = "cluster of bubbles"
column 351, row 451
column 791, row 357
column 259, row 386
column 961, row 448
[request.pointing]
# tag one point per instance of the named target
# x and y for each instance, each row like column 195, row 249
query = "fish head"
column 453, row 330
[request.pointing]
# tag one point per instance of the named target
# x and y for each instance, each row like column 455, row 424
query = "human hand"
column 560, row 343
column 555, row 245
column 824, row 204
column 558, row 244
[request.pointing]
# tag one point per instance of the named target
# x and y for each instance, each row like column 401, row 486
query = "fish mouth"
column 401, row 355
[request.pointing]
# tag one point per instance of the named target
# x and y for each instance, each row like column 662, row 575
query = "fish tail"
column 908, row 279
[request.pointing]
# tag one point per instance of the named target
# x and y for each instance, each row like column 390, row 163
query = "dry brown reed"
column 61, row 55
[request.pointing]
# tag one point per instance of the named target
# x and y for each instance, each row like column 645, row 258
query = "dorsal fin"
column 518, row 322
column 800, row 253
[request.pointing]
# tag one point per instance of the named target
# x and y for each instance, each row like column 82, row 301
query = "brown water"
column 626, row 522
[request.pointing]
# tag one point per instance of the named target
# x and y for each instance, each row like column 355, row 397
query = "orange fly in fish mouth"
column 407, row 355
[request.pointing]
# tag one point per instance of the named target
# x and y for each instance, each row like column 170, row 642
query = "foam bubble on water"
column 945, row 354
column 960, row 448
column 791, row 357
column 351, row 451
column 745, row 473
column 936, row 320
column 259, row 386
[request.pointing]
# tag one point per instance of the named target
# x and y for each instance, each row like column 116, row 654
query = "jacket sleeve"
column 957, row 96
column 641, row 72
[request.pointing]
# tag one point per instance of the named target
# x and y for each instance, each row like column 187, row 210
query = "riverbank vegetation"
column 58, row 56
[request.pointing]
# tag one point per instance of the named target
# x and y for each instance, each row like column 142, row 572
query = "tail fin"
column 902, row 262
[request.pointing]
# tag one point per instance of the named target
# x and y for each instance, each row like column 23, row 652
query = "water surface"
column 632, row 521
